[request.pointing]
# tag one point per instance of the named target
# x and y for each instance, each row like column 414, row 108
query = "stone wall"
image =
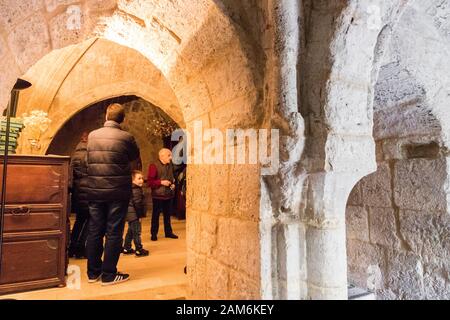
column 31, row 29
column 223, row 226
column 68, row 80
column 398, row 226
column 398, row 229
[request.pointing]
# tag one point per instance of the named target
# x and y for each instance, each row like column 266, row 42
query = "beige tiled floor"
column 158, row 276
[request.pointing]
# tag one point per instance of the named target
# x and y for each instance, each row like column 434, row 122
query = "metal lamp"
column 10, row 112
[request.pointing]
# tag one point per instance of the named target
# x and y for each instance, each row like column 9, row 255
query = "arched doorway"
column 397, row 217
column 148, row 124
column 209, row 78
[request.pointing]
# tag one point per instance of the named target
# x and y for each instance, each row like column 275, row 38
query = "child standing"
column 136, row 210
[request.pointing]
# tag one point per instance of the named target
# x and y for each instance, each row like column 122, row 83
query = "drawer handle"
column 21, row 211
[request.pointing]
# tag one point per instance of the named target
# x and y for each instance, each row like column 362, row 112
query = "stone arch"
column 188, row 57
column 70, row 79
column 197, row 49
column 338, row 113
column 397, row 217
column 344, row 106
column 138, row 122
column 323, row 108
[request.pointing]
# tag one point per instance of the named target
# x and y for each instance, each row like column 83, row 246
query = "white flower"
column 36, row 120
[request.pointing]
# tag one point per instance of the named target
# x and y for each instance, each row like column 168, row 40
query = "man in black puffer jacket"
column 110, row 153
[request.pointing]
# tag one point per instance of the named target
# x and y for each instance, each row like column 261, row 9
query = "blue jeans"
column 107, row 219
column 134, row 233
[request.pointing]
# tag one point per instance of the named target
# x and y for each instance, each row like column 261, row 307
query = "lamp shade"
column 21, row 84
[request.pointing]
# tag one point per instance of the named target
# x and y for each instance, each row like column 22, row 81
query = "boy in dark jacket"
column 136, row 210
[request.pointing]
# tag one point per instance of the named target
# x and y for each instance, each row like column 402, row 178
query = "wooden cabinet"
column 35, row 223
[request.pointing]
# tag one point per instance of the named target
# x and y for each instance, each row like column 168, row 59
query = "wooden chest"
column 34, row 238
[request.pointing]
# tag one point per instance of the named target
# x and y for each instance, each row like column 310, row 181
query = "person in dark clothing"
column 79, row 201
column 136, row 210
column 110, row 151
column 162, row 182
column 180, row 194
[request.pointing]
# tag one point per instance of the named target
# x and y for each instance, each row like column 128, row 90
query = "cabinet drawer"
column 35, row 183
column 29, row 218
column 30, row 260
